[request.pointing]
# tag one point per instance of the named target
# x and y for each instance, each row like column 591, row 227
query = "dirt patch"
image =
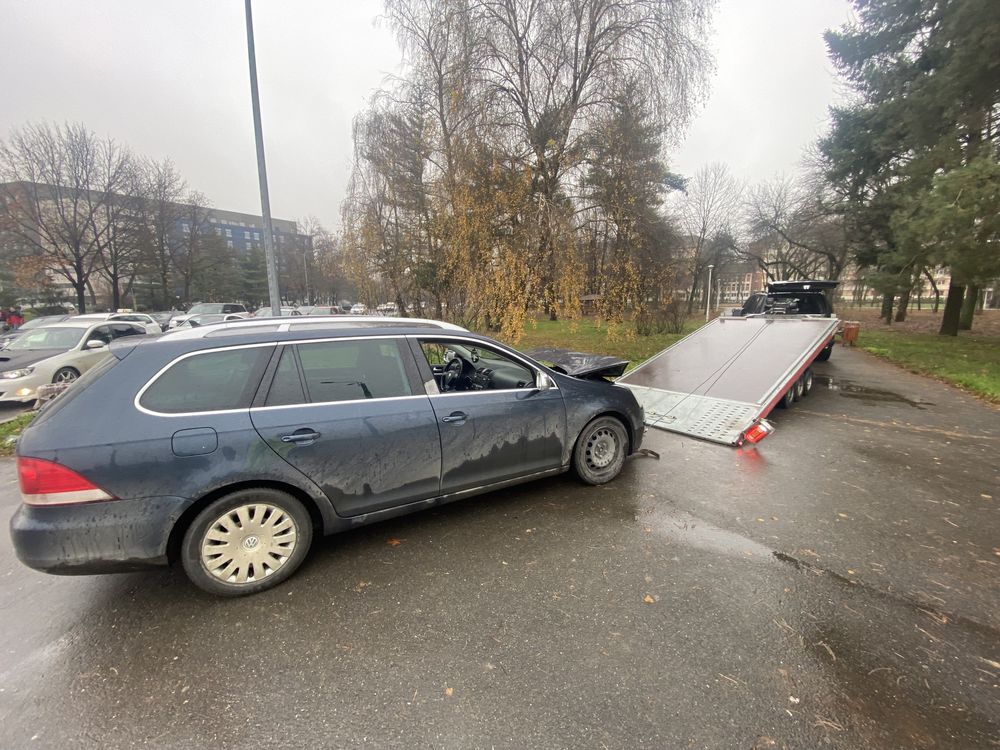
column 986, row 323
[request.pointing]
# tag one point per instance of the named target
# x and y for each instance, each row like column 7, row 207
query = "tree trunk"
column 81, row 296
column 904, row 302
column 116, row 299
column 887, row 300
column 952, row 310
column 968, row 308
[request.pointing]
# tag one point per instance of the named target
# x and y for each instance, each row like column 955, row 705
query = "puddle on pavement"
column 849, row 389
column 690, row 530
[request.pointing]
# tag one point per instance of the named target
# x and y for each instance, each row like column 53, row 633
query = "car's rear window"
column 212, row 381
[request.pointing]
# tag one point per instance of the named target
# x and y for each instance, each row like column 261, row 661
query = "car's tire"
column 600, row 450
column 824, row 355
column 807, row 381
column 65, row 375
column 788, row 399
column 259, row 534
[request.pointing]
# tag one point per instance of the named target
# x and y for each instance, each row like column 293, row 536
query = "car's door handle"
column 303, row 435
column 456, row 417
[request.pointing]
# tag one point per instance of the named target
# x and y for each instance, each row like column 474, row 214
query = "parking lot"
column 837, row 587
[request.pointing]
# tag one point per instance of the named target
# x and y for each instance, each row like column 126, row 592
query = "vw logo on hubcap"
column 251, row 543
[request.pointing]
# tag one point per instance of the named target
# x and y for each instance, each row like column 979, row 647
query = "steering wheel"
column 452, row 372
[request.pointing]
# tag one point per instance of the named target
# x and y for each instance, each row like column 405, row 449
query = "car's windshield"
column 36, row 322
column 48, row 338
column 206, row 308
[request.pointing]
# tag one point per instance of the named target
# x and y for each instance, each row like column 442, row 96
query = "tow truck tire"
column 807, row 382
column 824, row 355
column 799, row 389
column 789, row 398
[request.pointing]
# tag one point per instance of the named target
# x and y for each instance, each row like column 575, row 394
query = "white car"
column 57, row 353
column 146, row 321
column 359, row 309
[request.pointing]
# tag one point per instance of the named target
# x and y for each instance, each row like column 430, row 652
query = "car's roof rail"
column 303, row 322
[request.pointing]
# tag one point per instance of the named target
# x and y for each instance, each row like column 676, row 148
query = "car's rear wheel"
column 600, row 450
column 65, row 375
column 247, row 541
column 824, row 355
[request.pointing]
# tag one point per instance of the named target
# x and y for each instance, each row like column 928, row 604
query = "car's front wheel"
column 600, row 450
column 247, row 541
column 65, row 375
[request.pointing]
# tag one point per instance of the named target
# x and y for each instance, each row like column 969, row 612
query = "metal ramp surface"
column 718, row 382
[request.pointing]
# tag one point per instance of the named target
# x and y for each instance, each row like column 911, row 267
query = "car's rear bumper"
column 105, row 537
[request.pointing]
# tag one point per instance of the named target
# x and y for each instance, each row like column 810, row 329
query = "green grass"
column 12, row 429
column 969, row 362
column 585, row 335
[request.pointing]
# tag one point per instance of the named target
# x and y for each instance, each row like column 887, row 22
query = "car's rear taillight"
column 758, row 432
column 48, row 483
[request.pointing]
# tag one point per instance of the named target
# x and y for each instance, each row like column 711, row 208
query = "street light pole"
column 708, row 287
column 265, row 201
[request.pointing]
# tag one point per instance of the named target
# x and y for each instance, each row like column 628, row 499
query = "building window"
column 229, row 233
column 186, row 228
column 256, row 235
column 246, row 235
column 229, row 244
column 218, row 231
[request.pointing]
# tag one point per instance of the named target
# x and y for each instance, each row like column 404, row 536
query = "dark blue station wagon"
column 227, row 447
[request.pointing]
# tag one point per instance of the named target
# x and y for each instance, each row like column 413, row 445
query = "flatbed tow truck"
column 722, row 381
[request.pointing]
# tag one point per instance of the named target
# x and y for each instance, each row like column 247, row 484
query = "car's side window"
column 353, row 369
column 213, row 381
column 101, row 333
column 120, row 330
column 469, row 366
column 286, row 386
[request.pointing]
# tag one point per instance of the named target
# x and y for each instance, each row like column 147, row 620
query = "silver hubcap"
column 65, row 376
column 248, row 543
column 601, row 448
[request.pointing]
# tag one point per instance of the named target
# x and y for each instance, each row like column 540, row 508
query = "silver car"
column 58, row 353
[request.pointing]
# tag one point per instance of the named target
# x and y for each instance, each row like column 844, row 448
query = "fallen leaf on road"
column 994, row 664
column 362, row 585
column 985, row 496
column 648, row 599
column 449, row 691
column 793, row 700
column 394, row 542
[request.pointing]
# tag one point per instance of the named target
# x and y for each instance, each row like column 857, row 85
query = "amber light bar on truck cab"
column 48, row 483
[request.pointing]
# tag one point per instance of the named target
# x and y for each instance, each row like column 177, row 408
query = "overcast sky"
column 170, row 79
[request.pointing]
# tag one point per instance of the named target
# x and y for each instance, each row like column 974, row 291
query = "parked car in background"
column 193, row 321
column 208, row 308
column 57, row 353
column 358, row 309
column 163, row 318
column 227, row 448
column 320, row 310
column 265, row 312
column 29, row 326
column 388, row 308
column 146, row 321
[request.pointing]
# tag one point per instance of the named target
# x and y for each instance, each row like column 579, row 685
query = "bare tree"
column 163, row 190
column 797, row 229
column 707, row 211
column 62, row 184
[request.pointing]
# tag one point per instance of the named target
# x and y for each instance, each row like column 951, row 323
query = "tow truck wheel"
column 788, row 399
column 798, row 390
column 807, row 382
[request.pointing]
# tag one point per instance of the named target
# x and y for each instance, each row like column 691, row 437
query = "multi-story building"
column 241, row 232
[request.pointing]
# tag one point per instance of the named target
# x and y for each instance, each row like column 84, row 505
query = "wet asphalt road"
column 839, row 587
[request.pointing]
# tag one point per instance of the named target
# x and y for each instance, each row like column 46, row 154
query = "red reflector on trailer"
column 758, row 432
column 48, row 483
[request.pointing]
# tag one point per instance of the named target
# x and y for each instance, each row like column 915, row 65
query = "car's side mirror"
column 95, row 344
